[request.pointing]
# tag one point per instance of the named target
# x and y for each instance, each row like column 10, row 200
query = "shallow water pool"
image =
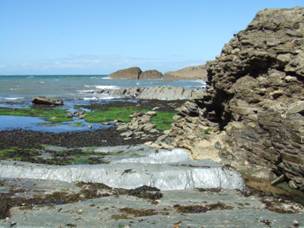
column 38, row 124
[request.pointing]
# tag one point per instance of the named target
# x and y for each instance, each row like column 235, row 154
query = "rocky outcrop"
column 136, row 73
column 151, row 74
column 187, row 73
column 152, row 93
column 129, row 73
column 255, row 99
column 140, row 126
column 47, row 101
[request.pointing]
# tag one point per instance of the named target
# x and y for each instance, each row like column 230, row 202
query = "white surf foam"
column 13, row 98
column 98, row 98
column 90, row 98
column 106, row 87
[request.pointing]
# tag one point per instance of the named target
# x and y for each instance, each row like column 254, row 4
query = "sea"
column 22, row 88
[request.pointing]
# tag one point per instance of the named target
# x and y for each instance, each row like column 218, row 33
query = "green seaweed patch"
column 18, row 154
column 192, row 209
column 163, row 120
column 54, row 115
column 65, row 157
column 112, row 113
column 77, row 124
column 138, row 212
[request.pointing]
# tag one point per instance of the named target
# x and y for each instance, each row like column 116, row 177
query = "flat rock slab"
column 173, row 176
column 230, row 209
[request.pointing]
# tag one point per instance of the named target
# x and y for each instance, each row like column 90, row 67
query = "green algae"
column 54, row 115
column 41, row 156
column 163, row 120
column 108, row 114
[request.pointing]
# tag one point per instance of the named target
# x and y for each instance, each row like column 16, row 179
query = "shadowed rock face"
column 256, row 95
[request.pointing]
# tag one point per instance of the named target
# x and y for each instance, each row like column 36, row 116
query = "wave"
column 86, row 91
column 98, row 98
column 13, row 98
column 90, row 98
column 106, row 87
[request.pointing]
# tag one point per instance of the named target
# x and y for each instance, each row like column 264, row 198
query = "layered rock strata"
column 152, row 93
column 255, row 98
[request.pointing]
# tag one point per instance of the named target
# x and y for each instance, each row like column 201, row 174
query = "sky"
column 101, row 36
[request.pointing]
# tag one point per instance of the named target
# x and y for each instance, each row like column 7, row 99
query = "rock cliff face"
column 255, row 97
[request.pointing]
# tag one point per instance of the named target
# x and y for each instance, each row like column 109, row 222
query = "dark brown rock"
column 47, row 101
column 151, row 74
column 251, row 84
column 255, row 96
column 128, row 73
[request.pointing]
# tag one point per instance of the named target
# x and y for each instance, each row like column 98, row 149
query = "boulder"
column 151, row 74
column 187, row 73
column 47, row 101
column 128, row 73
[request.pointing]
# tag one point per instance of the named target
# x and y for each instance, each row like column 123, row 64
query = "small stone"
column 151, row 113
column 79, row 211
column 290, row 79
column 296, row 223
column 12, row 224
column 127, row 134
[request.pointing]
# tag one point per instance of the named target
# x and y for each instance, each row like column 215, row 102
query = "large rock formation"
column 136, row 73
column 151, row 74
column 255, row 99
column 187, row 73
column 129, row 73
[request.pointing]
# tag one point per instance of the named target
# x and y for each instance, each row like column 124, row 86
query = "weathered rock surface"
column 255, row 98
column 129, row 73
column 192, row 72
column 182, row 208
column 140, row 126
column 151, row 74
column 47, row 101
column 152, row 93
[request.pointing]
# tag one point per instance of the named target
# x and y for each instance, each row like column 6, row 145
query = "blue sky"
column 99, row 36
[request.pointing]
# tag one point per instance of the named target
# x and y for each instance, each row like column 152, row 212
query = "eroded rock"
column 255, row 96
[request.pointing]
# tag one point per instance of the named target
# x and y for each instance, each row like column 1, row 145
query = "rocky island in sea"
column 228, row 153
